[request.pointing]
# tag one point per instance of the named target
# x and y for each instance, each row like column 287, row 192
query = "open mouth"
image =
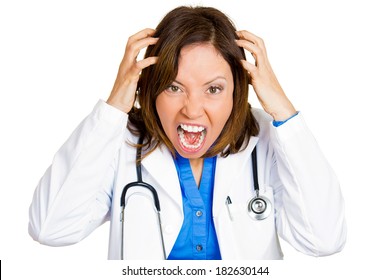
column 191, row 137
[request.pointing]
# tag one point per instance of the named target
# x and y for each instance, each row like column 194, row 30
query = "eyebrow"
column 209, row 82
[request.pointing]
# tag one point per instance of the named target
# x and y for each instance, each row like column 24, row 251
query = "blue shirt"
column 197, row 239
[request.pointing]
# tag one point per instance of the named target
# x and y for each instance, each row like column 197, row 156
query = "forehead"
column 200, row 51
column 202, row 61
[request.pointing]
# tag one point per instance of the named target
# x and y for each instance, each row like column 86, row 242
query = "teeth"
column 191, row 146
column 192, row 128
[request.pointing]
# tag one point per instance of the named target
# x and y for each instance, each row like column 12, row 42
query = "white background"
column 57, row 58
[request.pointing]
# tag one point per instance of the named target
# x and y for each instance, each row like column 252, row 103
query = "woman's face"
column 194, row 109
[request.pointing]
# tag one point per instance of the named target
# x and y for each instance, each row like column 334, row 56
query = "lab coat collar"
column 227, row 170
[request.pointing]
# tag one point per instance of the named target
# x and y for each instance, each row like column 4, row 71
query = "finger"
column 249, row 46
column 248, row 36
column 142, row 64
column 147, row 32
column 134, row 49
column 258, row 53
column 134, row 71
column 138, row 41
column 252, row 69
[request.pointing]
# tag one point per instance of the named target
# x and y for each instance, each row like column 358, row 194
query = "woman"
column 187, row 101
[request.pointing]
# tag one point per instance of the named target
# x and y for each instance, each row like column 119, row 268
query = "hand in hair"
column 263, row 79
column 123, row 93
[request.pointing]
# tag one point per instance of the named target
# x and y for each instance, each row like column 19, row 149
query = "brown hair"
column 181, row 27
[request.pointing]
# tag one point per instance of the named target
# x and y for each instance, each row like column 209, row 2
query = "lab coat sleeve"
column 74, row 195
column 309, row 206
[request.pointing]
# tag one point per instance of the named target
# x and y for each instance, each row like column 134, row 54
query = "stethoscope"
column 140, row 183
column 259, row 207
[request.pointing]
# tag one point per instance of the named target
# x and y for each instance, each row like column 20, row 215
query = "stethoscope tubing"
column 140, row 183
column 144, row 185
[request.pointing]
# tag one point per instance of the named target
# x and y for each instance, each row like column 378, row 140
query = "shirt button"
column 199, row 248
column 199, row 213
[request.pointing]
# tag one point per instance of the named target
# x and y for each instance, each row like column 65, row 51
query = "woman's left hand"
column 263, row 79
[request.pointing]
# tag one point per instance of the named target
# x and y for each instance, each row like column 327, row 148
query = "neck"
column 197, row 168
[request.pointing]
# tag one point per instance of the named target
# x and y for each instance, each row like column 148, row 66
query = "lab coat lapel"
column 226, row 171
column 160, row 165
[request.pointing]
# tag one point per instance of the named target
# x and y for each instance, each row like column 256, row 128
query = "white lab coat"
column 82, row 189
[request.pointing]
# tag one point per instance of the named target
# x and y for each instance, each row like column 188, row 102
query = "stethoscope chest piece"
column 259, row 207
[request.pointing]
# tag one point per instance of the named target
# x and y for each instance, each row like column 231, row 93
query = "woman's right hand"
column 123, row 93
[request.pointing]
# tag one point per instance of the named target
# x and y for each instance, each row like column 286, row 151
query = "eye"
column 214, row 89
column 173, row 88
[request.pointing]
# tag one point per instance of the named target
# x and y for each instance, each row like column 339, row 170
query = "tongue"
column 192, row 137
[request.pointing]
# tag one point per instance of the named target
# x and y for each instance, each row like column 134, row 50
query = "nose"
column 193, row 107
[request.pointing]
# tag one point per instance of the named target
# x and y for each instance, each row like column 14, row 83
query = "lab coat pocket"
column 253, row 238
